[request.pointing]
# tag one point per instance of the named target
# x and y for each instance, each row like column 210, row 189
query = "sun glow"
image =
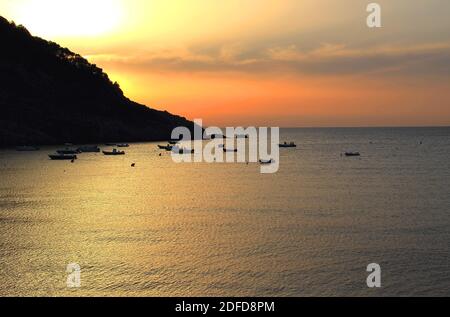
column 62, row 18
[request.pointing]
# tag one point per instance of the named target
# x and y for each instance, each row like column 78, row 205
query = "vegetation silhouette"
column 50, row 95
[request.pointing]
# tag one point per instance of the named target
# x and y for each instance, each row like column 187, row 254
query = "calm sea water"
column 166, row 229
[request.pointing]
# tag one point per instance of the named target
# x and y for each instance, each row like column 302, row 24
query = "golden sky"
column 262, row 62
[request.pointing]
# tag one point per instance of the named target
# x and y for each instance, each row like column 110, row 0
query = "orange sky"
column 262, row 62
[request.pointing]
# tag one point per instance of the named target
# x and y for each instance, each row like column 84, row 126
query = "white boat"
column 113, row 152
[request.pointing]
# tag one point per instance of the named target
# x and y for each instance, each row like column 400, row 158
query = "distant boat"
column 62, row 157
column 27, row 148
column 178, row 150
column 89, row 149
column 230, row 150
column 287, row 145
column 216, row 136
column 123, row 145
column 349, row 154
column 68, row 151
column 165, row 147
column 267, row 161
column 113, row 152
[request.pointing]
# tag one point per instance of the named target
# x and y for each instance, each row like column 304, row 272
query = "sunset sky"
column 285, row 63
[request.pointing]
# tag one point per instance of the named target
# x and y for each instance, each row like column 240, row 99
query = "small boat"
column 113, row 152
column 27, row 148
column 165, row 147
column 350, row 154
column 217, row 136
column 267, row 161
column 230, row 150
column 178, row 150
column 88, row 149
column 63, row 157
column 68, row 151
column 287, row 145
column 123, row 145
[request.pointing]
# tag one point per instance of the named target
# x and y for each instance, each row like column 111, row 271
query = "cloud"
column 430, row 59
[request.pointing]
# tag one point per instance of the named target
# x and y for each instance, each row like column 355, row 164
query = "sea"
column 219, row 229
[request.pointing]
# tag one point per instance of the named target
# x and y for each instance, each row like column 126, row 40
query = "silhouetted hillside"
column 50, row 95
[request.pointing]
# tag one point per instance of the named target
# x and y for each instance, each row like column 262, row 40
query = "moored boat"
column 165, row 147
column 350, row 154
column 113, row 152
column 68, row 151
column 178, row 150
column 287, row 145
column 62, row 157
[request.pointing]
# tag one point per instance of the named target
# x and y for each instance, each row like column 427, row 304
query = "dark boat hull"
column 352, row 154
column 62, row 157
column 113, row 153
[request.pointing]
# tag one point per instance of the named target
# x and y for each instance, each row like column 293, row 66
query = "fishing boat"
column 62, row 157
column 165, row 147
column 287, row 145
column 27, row 148
column 89, row 149
column 123, row 145
column 113, row 152
column 266, row 161
column 350, row 154
column 68, row 151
